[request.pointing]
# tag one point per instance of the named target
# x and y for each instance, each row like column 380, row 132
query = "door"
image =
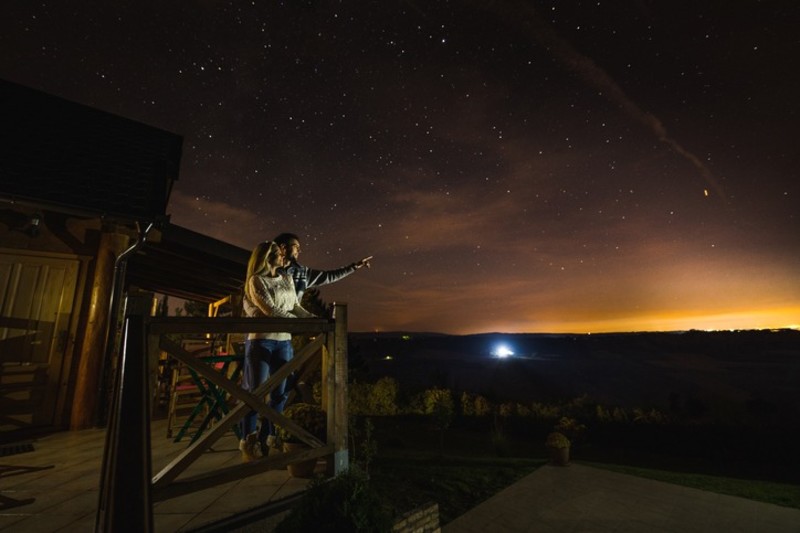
column 36, row 305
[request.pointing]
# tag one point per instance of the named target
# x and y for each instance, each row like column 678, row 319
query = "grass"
column 783, row 494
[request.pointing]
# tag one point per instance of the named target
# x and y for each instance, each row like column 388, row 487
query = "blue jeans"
column 262, row 357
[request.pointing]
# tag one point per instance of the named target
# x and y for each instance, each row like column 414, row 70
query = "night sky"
column 512, row 166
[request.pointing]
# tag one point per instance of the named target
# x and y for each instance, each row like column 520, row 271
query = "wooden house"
column 83, row 220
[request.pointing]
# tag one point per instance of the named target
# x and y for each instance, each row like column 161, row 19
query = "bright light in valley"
column 502, row 351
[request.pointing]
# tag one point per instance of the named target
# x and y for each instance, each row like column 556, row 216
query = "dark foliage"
column 344, row 503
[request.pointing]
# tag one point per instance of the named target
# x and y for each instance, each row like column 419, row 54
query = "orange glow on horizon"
column 761, row 319
column 741, row 320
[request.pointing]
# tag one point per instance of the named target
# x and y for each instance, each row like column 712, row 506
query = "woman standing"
column 267, row 293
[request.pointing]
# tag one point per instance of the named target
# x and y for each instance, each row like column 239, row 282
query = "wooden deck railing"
column 128, row 487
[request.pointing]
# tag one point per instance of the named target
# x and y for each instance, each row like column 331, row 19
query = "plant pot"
column 303, row 468
column 559, row 456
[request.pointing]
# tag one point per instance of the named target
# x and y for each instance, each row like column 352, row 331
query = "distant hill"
column 732, row 373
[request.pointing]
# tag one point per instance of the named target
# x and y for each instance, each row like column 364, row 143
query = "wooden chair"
column 184, row 393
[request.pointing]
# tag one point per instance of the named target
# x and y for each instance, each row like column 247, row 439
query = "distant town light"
column 502, row 351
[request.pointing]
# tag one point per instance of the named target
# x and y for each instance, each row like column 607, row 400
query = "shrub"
column 382, row 399
column 438, row 401
column 619, row 415
column 523, row 410
column 344, row 503
column 506, row 409
column 475, row 405
column 358, row 398
column 309, row 416
column 544, row 411
column 570, row 427
column 557, row 440
column 653, row 416
column 467, row 404
column 363, row 445
column 482, row 406
column 439, row 404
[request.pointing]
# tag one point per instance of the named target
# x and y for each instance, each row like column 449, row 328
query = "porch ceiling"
column 185, row 264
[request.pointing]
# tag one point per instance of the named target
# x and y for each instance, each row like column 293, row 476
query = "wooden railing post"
column 125, row 502
column 337, row 391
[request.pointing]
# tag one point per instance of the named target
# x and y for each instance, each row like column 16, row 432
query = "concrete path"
column 580, row 498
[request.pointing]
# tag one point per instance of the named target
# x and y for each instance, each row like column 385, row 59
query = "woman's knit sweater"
column 265, row 296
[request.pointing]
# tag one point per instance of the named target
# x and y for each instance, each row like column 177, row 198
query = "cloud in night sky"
column 595, row 76
column 512, row 166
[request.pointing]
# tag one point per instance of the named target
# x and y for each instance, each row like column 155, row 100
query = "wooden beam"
column 239, row 325
column 90, row 363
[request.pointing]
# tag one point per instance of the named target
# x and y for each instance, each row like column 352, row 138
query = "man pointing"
column 305, row 277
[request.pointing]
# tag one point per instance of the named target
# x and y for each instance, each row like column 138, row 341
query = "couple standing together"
column 273, row 287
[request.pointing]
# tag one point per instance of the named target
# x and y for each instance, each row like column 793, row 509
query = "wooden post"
column 90, row 364
column 125, row 501
column 337, row 392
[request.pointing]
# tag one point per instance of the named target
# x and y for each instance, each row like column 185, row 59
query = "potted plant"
column 313, row 419
column 558, row 444
column 571, row 428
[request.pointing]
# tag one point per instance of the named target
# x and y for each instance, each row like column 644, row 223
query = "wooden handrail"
column 160, row 325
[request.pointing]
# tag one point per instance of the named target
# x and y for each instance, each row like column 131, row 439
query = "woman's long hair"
column 259, row 261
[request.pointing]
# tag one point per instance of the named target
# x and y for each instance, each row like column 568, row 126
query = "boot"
column 248, row 447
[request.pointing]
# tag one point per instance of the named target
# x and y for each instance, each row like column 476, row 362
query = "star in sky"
column 512, row 166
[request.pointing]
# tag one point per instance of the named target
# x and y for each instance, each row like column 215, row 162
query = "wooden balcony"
column 144, row 477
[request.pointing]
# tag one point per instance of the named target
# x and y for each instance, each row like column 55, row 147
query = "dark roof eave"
column 186, row 264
